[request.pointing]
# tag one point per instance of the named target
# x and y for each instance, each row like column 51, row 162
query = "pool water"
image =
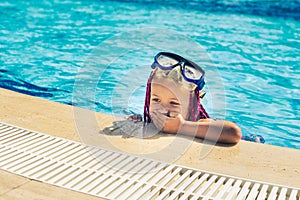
column 45, row 47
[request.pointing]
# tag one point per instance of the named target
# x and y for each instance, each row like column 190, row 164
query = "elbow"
column 235, row 133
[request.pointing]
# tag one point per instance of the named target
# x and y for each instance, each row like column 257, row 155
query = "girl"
column 173, row 105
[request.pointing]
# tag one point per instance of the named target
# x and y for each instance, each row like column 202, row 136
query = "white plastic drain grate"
column 114, row 175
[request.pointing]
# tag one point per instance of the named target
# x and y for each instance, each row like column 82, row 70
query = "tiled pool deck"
column 247, row 160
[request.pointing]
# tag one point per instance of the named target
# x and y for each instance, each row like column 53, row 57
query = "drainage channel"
column 115, row 175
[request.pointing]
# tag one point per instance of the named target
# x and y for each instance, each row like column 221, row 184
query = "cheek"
column 150, row 108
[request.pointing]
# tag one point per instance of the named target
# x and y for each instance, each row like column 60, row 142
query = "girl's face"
column 169, row 98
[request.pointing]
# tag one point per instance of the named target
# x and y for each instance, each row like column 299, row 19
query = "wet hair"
column 197, row 111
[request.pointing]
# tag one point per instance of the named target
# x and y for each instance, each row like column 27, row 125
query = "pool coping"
column 248, row 160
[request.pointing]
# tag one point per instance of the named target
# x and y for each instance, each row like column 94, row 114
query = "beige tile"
column 40, row 191
column 9, row 181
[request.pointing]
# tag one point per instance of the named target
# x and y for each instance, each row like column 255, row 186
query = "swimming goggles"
column 189, row 70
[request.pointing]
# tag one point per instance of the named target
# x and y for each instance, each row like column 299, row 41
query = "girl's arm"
column 215, row 130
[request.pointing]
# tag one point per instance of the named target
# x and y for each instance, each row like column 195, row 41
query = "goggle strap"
column 200, row 83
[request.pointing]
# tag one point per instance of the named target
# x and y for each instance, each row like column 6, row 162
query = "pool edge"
column 260, row 162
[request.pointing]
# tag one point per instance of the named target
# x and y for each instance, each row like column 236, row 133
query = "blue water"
column 47, row 47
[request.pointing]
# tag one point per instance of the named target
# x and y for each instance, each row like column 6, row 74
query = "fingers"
column 135, row 118
column 161, row 121
column 161, row 116
column 167, row 124
column 158, row 120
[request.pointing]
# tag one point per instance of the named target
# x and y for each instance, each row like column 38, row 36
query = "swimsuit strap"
column 202, row 112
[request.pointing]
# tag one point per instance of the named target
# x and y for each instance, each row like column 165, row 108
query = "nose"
column 164, row 109
column 179, row 66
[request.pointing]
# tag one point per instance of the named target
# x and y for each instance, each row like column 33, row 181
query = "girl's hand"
column 167, row 124
column 135, row 118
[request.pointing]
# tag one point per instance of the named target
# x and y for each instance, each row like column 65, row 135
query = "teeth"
column 173, row 114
